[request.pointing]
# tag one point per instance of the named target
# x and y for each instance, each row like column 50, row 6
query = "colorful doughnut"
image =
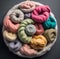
column 38, row 42
column 39, row 29
column 9, row 36
column 40, row 14
column 26, row 50
column 10, row 26
column 30, row 29
column 15, row 45
column 50, row 23
column 17, row 16
column 21, row 31
column 27, row 6
column 50, row 34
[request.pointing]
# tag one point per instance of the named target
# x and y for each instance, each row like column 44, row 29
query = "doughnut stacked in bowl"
column 29, row 29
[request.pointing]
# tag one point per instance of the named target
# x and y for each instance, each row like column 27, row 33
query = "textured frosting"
column 50, row 34
column 40, row 14
column 21, row 31
column 26, row 50
column 15, row 45
column 38, row 42
column 9, row 36
column 50, row 23
column 30, row 29
column 27, row 6
column 9, row 25
column 39, row 29
column 17, row 16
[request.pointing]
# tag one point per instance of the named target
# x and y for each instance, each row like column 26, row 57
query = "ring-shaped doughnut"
column 39, row 29
column 15, row 45
column 50, row 34
column 9, row 25
column 9, row 36
column 40, row 14
column 21, row 31
column 17, row 16
column 38, row 42
column 27, row 6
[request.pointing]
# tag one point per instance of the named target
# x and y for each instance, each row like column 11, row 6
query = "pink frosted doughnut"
column 39, row 29
column 10, row 26
column 41, row 13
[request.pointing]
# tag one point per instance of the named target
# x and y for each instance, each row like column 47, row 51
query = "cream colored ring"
column 9, row 36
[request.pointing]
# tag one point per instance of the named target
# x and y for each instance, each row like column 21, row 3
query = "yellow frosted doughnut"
column 9, row 35
column 38, row 42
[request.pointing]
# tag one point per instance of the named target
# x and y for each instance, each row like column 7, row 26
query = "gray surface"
column 5, row 5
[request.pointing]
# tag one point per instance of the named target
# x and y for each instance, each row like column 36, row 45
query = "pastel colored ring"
column 21, row 31
column 40, row 14
column 15, row 45
column 17, row 16
column 9, row 25
column 9, row 36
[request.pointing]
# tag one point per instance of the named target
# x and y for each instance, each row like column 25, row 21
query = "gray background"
column 5, row 5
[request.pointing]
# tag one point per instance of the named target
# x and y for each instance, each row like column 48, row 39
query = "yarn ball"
column 26, row 50
column 9, row 25
column 39, row 29
column 17, row 16
column 30, row 29
column 38, row 42
column 41, row 13
column 50, row 23
column 21, row 31
column 50, row 34
column 9, row 36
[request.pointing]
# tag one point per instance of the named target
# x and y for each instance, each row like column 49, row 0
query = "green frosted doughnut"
column 21, row 31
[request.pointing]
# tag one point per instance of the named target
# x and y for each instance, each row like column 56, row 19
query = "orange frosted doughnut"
column 9, row 25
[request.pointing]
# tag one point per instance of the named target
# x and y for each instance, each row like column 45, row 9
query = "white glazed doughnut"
column 17, row 16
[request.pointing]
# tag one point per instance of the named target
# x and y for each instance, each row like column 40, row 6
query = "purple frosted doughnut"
column 15, row 45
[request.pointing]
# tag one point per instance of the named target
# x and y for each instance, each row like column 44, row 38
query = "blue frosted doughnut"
column 50, row 23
